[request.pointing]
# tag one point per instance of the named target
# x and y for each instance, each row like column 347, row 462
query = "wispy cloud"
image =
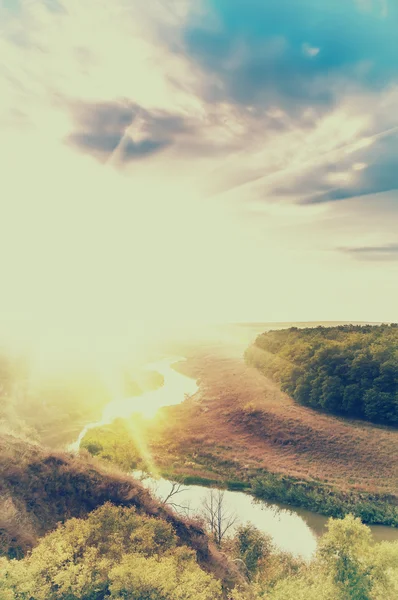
column 387, row 252
column 133, row 132
column 365, row 170
column 379, row 8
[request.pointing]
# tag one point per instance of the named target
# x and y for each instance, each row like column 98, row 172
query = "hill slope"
column 39, row 489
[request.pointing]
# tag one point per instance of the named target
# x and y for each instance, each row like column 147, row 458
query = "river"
column 176, row 386
column 292, row 529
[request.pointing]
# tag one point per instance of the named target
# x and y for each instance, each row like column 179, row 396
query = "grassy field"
column 240, row 427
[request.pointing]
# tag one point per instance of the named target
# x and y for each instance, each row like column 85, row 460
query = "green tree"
column 252, row 547
column 360, row 569
column 350, row 370
column 114, row 553
column 173, row 577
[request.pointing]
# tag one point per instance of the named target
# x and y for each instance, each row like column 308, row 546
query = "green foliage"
column 173, row 577
column 119, row 554
column 197, row 480
column 360, row 569
column 322, row 498
column 116, row 443
column 348, row 566
column 349, row 370
column 307, row 587
column 344, row 550
column 252, row 547
column 114, row 553
column 237, row 485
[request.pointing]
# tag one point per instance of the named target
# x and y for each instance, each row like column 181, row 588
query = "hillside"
column 40, row 489
column 130, row 547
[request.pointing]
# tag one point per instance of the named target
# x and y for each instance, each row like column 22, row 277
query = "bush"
column 326, row 500
column 114, row 553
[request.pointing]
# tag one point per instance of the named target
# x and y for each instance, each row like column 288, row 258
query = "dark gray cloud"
column 388, row 252
column 101, row 128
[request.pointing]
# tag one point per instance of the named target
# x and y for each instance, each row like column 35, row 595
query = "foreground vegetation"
column 134, row 548
column 40, row 489
column 117, row 553
column 347, row 566
column 114, row 553
column 349, row 370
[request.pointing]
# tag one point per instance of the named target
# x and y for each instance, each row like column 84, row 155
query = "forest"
column 349, row 370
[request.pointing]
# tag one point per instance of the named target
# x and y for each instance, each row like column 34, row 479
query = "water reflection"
column 293, row 530
column 174, row 390
column 289, row 531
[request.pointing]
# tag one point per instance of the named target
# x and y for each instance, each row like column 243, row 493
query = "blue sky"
column 241, row 156
column 295, row 52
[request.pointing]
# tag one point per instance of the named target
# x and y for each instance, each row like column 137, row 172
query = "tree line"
column 349, row 369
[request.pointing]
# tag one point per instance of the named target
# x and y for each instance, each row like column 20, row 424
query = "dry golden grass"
column 242, row 422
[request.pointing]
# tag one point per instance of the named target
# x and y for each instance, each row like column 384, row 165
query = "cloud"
column 310, row 50
column 368, row 170
column 106, row 127
column 351, row 151
column 238, row 93
column 378, row 7
column 388, row 252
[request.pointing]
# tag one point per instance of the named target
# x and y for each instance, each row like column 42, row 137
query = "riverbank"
column 239, row 431
column 312, row 496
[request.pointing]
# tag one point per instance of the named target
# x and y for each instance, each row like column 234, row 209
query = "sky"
column 180, row 161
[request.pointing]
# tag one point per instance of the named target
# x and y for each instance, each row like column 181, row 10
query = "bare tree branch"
column 176, row 488
column 216, row 516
